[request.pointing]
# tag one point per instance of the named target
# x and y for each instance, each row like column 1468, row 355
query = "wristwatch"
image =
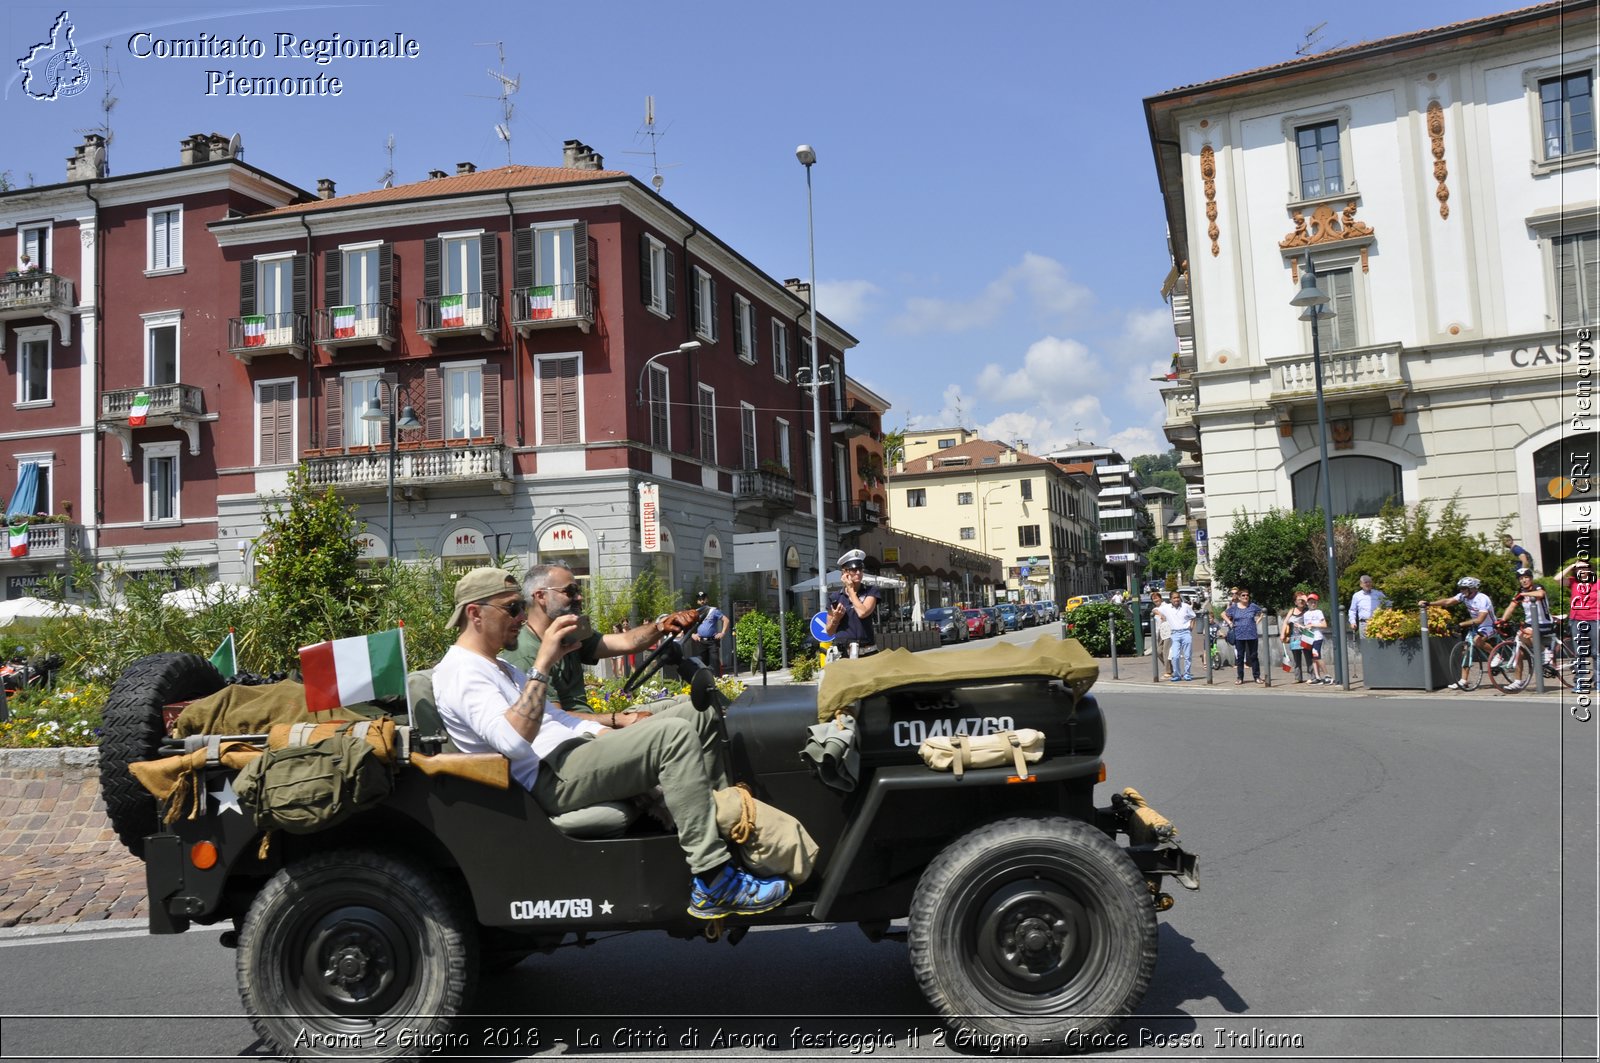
column 534, row 675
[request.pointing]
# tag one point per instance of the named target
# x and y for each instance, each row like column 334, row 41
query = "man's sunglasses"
column 513, row 609
column 571, row 590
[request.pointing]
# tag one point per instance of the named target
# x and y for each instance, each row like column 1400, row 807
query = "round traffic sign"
column 819, row 627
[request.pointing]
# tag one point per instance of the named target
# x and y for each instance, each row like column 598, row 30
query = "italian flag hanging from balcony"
column 452, row 312
column 139, row 410
column 541, row 303
column 344, row 322
column 255, row 330
column 350, row 671
column 19, row 540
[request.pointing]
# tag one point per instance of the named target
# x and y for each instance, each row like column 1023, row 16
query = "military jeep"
column 1027, row 923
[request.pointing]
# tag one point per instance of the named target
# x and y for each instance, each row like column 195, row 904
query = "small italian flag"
column 255, row 330
column 19, row 540
column 224, row 659
column 541, row 303
column 344, row 322
column 139, row 410
column 350, row 671
column 452, row 312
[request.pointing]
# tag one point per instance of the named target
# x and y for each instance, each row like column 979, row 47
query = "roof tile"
column 498, row 179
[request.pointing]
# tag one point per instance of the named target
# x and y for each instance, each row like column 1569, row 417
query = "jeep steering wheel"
column 657, row 658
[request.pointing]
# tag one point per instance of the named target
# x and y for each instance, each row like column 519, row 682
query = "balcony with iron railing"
column 859, row 419
column 443, row 316
column 357, row 325
column 859, row 516
column 417, row 465
column 36, row 294
column 46, row 542
column 1363, row 372
column 252, row 335
column 180, row 405
column 552, row 306
column 759, row 490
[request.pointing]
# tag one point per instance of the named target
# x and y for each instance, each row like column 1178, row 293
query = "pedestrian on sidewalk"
column 1291, row 637
column 1316, row 622
column 1180, row 619
column 1243, row 618
column 1163, row 635
column 1363, row 603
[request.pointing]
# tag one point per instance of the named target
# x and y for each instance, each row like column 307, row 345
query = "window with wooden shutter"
column 489, row 274
column 580, row 255
column 491, row 402
column 660, row 423
column 433, row 403
column 522, row 259
column 432, row 260
column 1577, row 261
column 333, row 413
column 333, row 279
column 300, row 273
column 708, row 424
column 275, row 422
column 1338, row 333
column 747, row 435
column 647, row 286
column 247, row 287
column 386, row 274
column 744, row 328
column 558, row 401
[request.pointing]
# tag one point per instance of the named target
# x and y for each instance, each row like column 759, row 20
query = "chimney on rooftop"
column 465, row 167
column 576, row 155
column 325, row 188
column 434, row 175
column 88, row 160
column 800, row 288
column 193, row 149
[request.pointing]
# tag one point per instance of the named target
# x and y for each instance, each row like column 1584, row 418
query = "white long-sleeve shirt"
column 473, row 693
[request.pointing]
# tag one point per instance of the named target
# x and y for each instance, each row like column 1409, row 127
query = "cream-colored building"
column 1444, row 185
column 1037, row 518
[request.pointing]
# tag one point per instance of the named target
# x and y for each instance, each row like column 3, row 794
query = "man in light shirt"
column 490, row 706
column 1180, row 620
column 1363, row 603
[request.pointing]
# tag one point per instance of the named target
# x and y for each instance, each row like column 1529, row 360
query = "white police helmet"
column 852, row 557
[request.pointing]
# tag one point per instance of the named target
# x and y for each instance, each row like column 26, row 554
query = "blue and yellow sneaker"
column 735, row 892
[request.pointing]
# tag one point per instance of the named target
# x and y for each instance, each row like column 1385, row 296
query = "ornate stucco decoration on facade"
column 1208, row 173
column 1324, row 227
column 1440, row 170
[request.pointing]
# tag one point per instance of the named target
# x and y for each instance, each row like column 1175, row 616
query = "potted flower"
column 773, row 468
column 1391, row 652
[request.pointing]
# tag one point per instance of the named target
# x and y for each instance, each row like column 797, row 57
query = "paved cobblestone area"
column 59, row 860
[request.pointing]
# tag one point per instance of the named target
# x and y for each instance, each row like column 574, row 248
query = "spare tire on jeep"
column 132, row 730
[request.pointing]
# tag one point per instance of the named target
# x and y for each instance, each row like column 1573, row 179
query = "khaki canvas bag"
column 770, row 841
column 957, row 753
column 306, row 788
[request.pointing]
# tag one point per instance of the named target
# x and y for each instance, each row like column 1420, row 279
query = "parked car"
column 1073, row 603
column 951, row 624
column 1048, row 611
column 999, row 619
column 1016, row 619
column 979, row 625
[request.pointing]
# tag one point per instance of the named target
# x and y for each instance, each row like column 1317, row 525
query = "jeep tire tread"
column 132, row 730
column 1027, row 929
column 342, row 951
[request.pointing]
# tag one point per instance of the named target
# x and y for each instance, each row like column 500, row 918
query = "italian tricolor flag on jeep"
column 350, row 671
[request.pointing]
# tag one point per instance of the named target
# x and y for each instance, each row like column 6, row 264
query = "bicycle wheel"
column 1465, row 657
column 1509, row 667
column 1563, row 662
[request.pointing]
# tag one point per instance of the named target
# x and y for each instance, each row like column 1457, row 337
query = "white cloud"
column 846, row 302
column 1053, row 370
column 1135, row 441
column 1042, row 281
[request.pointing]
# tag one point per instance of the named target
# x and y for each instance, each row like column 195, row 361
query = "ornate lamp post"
column 407, row 419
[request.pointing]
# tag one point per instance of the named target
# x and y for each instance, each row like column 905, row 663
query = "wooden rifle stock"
column 489, row 769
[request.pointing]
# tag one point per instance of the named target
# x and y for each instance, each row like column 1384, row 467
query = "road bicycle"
column 1471, row 659
column 1511, row 662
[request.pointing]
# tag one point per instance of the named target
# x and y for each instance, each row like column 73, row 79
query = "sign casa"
column 1549, row 354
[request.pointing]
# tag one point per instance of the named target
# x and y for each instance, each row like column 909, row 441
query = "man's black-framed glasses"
column 512, row 609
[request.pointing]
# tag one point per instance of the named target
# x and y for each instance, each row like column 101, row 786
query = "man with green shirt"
column 553, row 591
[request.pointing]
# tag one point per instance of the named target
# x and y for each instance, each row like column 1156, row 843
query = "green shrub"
column 756, row 629
column 1090, row 624
column 1414, row 557
column 803, row 668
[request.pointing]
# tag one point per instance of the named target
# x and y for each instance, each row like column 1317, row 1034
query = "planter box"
column 1397, row 665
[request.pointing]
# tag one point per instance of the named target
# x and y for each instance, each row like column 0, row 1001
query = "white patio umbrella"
column 191, row 600
column 17, row 610
column 805, row 586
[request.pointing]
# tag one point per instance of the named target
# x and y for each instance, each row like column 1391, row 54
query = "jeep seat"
column 604, row 820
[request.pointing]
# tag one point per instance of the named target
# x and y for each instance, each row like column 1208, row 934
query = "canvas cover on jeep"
column 846, row 681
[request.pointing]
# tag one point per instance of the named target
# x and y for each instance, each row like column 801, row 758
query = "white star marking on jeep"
column 227, row 800
column 605, row 907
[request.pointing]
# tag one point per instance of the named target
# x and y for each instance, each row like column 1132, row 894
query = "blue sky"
column 987, row 217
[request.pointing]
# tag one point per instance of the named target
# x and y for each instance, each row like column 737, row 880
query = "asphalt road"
column 1382, row 878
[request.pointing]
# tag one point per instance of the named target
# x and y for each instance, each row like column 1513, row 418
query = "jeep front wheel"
column 349, row 954
column 1027, row 929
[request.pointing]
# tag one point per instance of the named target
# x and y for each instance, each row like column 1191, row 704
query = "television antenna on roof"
column 107, row 102
column 386, row 179
column 657, row 178
column 509, row 84
column 1312, row 45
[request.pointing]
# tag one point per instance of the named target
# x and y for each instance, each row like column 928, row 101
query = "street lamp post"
column 682, row 348
column 983, row 519
column 1315, row 302
column 808, row 158
column 406, row 419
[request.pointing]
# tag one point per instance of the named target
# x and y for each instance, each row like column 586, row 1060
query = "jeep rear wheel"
column 342, row 952
column 132, row 730
column 1033, row 927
